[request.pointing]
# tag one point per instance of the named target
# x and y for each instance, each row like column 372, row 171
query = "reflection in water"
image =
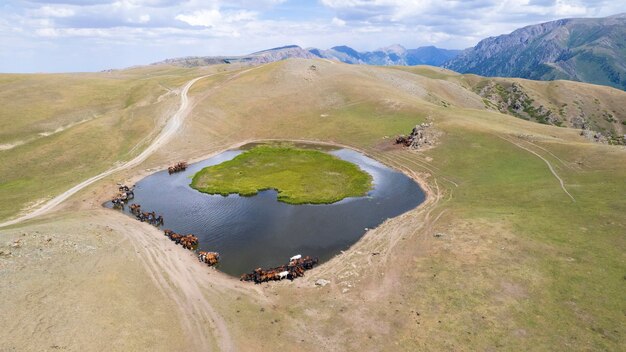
column 259, row 231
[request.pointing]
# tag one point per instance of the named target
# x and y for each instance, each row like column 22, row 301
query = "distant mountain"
column 259, row 57
column 589, row 50
column 281, row 53
column 392, row 55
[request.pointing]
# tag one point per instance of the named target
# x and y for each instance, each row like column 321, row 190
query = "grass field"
column 299, row 176
column 61, row 129
column 500, row 257
column 520, row 266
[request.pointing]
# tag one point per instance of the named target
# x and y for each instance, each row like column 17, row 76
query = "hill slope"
column 519, row 245
column 589, row 50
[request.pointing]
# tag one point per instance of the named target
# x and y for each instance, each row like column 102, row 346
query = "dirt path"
column 170, row 269
column 547, row 163
column 173, row 270
column 172, row 126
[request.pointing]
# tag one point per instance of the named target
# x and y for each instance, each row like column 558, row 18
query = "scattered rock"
column 514, row 100
column 322, row 282
column 595, row 136
column 421, row 136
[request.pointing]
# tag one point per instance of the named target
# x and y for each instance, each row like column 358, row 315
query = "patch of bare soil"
column 75, row 284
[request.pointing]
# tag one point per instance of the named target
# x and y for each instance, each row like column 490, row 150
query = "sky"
column 93, row 35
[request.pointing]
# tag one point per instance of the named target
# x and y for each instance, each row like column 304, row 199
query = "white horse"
column 295, row 257
column 282, row 275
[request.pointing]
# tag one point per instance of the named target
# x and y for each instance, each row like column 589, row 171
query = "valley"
column 518, row 244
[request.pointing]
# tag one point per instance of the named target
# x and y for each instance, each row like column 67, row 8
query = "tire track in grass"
column 545, row 161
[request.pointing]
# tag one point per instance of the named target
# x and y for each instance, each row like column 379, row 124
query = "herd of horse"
column 190, row 242
column 295, row 268
column 187, row 241
column 180, row 166
column 124, row 194
column 144, row 216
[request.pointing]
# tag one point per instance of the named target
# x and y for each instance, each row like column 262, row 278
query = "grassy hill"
column 592, row 108
column 518, row 247
column 519, row 265
column 59, row 129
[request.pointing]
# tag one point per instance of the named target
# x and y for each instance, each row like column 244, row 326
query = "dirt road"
column 170, row 129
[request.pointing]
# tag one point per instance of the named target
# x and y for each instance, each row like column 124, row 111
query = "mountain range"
column 391, row 55
column 591, row 50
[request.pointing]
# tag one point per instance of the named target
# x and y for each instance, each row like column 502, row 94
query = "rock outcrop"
column 421, row 137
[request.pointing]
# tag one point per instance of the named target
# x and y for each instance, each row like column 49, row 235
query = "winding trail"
column 177, row 280
column 547, row 163
column 172, row 275
column 172, row 126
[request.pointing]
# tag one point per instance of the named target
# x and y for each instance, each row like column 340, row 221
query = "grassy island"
column 299, row 176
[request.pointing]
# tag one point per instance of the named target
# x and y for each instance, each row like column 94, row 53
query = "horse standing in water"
column 209, row 258
column 181, row 166
column 295, row 268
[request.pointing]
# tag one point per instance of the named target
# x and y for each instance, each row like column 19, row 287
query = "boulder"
column 322, row 282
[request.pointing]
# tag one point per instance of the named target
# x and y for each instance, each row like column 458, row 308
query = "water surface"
column 259, row 231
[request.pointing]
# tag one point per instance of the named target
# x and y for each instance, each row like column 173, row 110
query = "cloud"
column 216, row 19
column 205, row 18
column 128, row 32
column 338, row 22
column 54, row 11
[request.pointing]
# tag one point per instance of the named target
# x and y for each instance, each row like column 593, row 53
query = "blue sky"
column 92, row 35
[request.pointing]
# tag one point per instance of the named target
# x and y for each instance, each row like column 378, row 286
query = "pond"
column 259, row 231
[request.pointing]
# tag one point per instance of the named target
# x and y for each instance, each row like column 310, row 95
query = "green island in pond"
column 300, row 176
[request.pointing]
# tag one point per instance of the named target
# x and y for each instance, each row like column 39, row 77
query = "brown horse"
column 210, row 258
column 181, row 166
column 294, row 269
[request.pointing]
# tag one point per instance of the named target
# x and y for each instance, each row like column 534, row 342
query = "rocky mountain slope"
column 589, row 50
column 596, row 111
column 598, row 114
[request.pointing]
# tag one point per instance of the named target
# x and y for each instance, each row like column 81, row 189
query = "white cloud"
column 52, row 11
column 214, row 18
column 205, row 18
column 47, row 32
column 213, row 27
column 338, row 22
